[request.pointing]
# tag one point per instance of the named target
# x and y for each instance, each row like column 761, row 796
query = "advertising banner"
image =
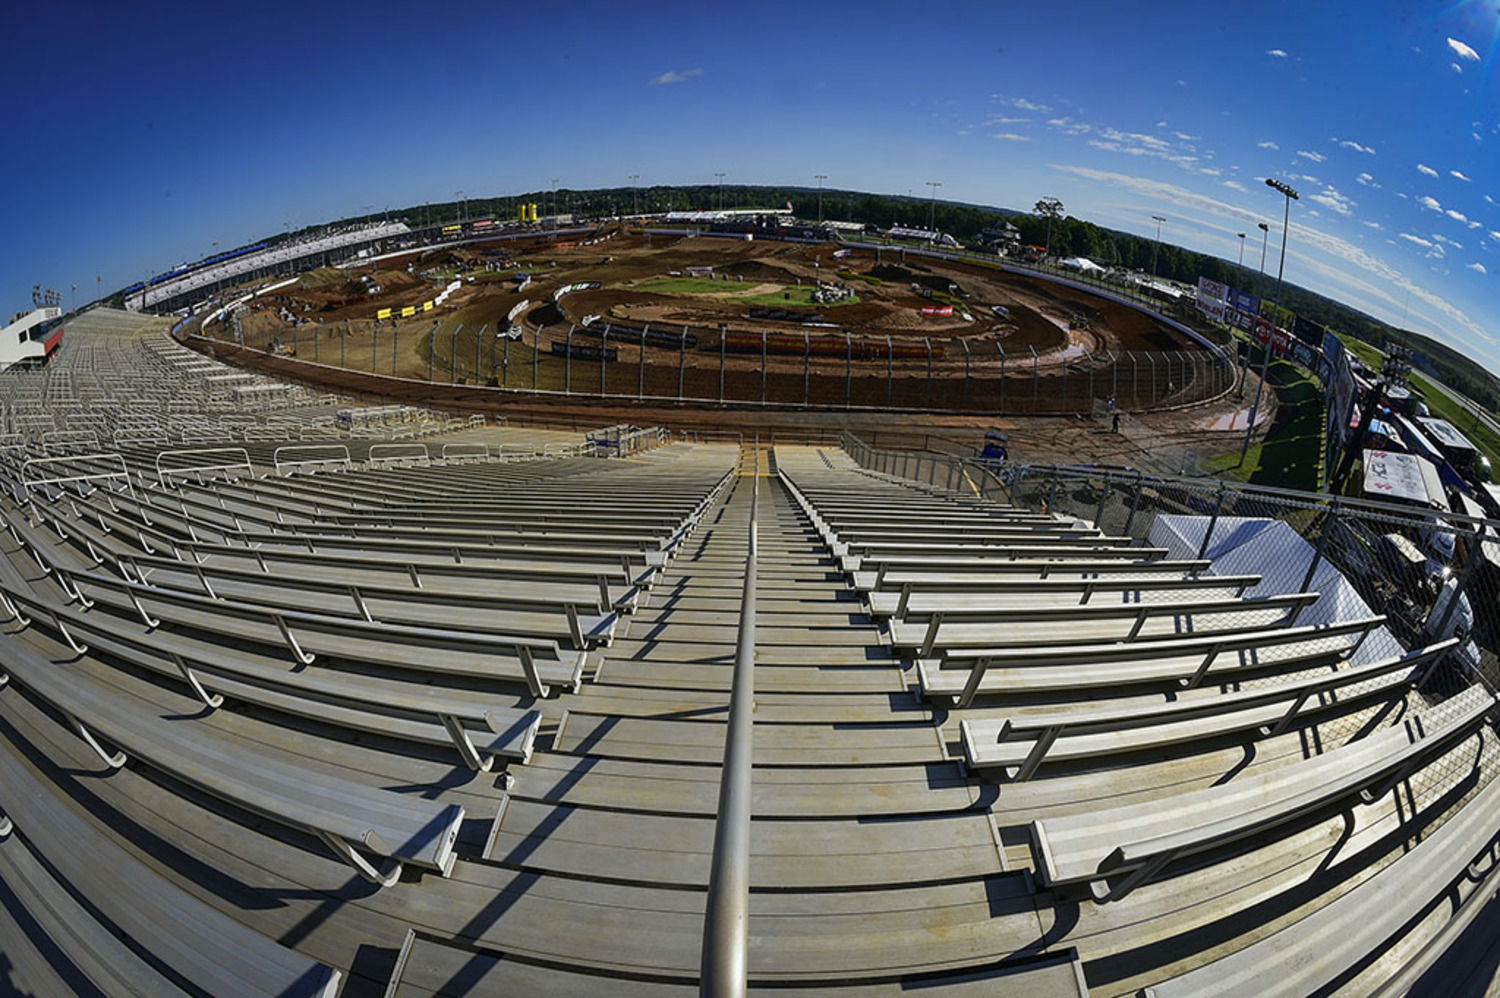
column 1307, row 331
column 1211, row 291
column 1243, row 301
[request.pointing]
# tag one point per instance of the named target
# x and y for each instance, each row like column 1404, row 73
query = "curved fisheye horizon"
column 137, row 163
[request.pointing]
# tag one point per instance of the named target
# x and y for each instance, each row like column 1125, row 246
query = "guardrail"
column 726, row 925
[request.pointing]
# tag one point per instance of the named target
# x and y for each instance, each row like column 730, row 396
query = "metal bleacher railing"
column 1388, row 554
column 727, row 917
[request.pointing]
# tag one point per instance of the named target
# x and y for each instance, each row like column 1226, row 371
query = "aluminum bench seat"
column 916, row 568
column 538, row 663
column 928, row 592
column 350, row 819
column 1019, row 743
column 1136, row 842
column 1183, row 662
column 481, row 728
column 62, row 854
column 1043, row 626
column 427, row 966
column 874, row 554
column 1318, row 949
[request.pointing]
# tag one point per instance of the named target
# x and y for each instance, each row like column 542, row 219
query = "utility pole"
column 932, row 205
column 635, row 194
column 820, row 177
column 1157, row 248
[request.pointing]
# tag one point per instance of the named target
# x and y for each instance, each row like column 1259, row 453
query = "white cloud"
column 1462, row 51
column 1489, row 199
column 1005, row 121
column 1430, row 203
column 1350, row 144
column 1386, row 286
column 1375, row 225
column 1235, row 185
column 1070, row 127
column 1268, row 144
column 1367, row 180
column 1455, row 67
column 1281, row 53
column 1495, row 235
column 1331, row 199
column 1011, row 137
column 1459, row 175
column 1027, row 105
column 1424, row 168
column 1184, row 136
column 1476, row 267
column 1316, row 157
column 1417, row 239
column 673, row 76
column 1457, row 216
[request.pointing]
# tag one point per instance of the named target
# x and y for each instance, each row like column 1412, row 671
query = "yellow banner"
column 408, row 311
column 384, row 313
column 427, row 306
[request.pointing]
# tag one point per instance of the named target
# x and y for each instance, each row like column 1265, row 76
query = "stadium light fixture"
column 932, row 205
column 1289, row 195
column 1242, row 250
column 820, row 177
column 1157, row 248
column 719, row 193
column 1265, row 230
column 635, row 194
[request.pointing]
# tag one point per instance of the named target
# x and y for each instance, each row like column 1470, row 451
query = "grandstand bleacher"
column 301, row 694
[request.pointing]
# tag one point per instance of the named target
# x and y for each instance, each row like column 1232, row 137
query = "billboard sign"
column 1244, row 302
column 1211, row 291
column 1307, row 331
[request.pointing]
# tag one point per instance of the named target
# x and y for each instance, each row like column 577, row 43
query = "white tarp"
column 1271, row 549
column 1389, row 475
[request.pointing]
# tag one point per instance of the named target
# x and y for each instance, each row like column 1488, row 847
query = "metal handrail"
column 726, row 925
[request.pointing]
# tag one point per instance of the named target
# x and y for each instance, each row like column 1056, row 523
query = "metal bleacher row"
column 450, row 721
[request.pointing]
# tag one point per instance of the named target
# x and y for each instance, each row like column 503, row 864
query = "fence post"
column 1103, row 498
column 928, row 341
column 1312, row 566
column 681, row 362
column 1212, row 521
column 479, row 351
column 344, row 343
column 1002, row 375
column 723, row 342
column 568, row 362
column 806, row 368
column 1036, row 378
column 764, row 365
column 536, row 357
column 848, row 370
column 1135, row 504
column 453, row 356
column 967, row 360
column 890, row 368
column 374, row 345
column 640, row 380
column 504, row 360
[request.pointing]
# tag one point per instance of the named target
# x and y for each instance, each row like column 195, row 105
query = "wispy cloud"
column 1367, row 180
column 1005, row 121
column 1424, row 168
column 1425, row 243
column 1479, row 267
column 1235, row 185
column 1020, row 103
column 1281, row 53
column 1316, row 157
column 1070, row 127
column 1331, row 199
column 1267, row 144
column 1462, row 51
column 1351, row 144
column 1011, row 137
column 1374, row 225
column 1430, row 203
column 673, row 76
column 1459, row 175
column 1457, row 216
column 1388, row 282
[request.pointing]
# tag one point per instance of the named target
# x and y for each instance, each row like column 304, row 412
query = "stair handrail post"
column 726, row 926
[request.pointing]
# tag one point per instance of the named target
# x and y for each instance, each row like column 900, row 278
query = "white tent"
column 1080, row 263
column 1269, row 548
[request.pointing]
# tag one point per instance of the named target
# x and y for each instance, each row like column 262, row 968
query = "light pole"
column 463, row 206
column 635, row 194
column 820, row 177
column 1265, row 362
column 932, row 205
column 719, row 193
column 1242, row 250
column 552, row 203
column 1265, row 230
column 1157, row 248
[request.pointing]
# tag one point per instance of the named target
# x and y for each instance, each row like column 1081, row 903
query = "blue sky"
column 139, row 137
